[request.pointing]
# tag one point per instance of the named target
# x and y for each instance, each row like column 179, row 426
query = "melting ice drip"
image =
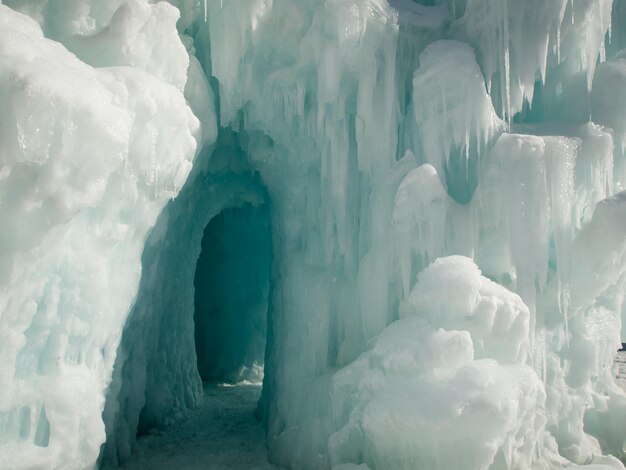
column 443, row 183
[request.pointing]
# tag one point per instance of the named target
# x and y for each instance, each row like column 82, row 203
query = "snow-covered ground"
column 223, row 434
column 621, row 374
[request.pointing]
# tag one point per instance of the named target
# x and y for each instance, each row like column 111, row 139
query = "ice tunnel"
column 202, row 309
column 231, row 295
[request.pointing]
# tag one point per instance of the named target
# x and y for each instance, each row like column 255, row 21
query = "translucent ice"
column 89, row 158
column 429, row 384
column 430, row 241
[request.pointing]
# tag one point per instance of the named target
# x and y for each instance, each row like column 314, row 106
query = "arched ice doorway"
column 202, row 305
column 231, row 285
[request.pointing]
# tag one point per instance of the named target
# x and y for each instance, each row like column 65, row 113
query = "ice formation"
column 408, row 217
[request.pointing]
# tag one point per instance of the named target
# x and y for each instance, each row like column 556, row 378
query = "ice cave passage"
column 232, row 286
column 231, row 295
column 201, row 312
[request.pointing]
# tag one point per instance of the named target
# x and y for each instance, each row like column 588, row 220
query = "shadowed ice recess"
column 397, row 226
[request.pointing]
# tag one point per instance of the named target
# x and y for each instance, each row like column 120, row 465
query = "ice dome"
column 405, row 218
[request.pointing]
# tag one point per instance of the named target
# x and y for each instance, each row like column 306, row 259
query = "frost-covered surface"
column 222, row 434
column 89, row 157
column 433, row 375
column 448, row 237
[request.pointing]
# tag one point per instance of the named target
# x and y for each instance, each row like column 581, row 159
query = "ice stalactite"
column 442, row 181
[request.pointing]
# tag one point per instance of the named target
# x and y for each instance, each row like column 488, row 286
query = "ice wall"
column 89, row 157
column 443, row 181
column 511, row 185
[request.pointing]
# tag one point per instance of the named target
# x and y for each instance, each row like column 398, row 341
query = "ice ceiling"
column 433, row 262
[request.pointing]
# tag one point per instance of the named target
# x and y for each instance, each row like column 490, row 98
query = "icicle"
column 507, row 73
column 206, row 9
column 558, row 30
column 602, row 42
column 544, row 360
column 558, row 44
column 507, row 64
column 565, row 311
column 467, row 150
column 443, row 138
column 561, row 157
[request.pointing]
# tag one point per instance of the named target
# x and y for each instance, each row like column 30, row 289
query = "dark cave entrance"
column 201, row 320
column 232, row 288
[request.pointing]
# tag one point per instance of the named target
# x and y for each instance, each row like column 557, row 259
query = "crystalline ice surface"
column 405, row 217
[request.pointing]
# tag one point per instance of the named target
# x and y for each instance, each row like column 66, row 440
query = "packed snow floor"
column 223, row 434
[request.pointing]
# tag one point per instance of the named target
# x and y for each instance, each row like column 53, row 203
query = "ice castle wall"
column 447, row 224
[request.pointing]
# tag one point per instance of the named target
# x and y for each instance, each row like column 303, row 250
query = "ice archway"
column 232, row 292
column 170, row 340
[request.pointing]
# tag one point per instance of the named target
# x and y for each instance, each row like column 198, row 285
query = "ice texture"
column 408, row 217
column 90, row 156
column 431, row 377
